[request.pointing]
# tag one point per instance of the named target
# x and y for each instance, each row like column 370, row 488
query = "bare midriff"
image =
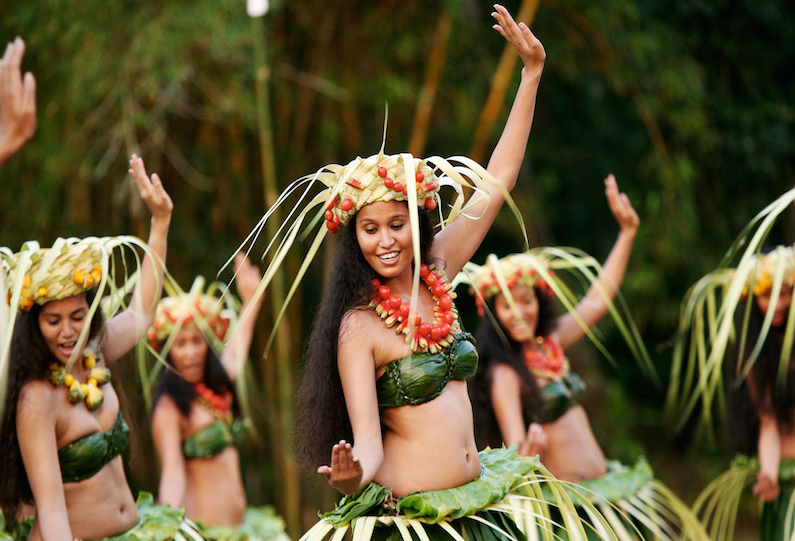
column 573, row 453
column 430, row 446
column 214, row 489
column 100, row 506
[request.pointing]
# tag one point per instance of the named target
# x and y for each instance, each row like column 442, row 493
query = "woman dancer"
column 196, row 421
column 62, row 430
column 525, row 393
column 761, row 399
column 383, row 411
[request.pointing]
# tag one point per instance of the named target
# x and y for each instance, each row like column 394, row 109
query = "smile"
column 389, row 257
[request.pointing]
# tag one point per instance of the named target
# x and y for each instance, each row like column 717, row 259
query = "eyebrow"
column 392, row 217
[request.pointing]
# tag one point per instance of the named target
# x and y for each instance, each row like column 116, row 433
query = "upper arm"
column 356, row 364
column 121, row 333
column 167, row 435
column 39, row 450
column 506, row 399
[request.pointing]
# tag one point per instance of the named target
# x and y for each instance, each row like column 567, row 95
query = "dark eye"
column 398, row 225
column 369, row 230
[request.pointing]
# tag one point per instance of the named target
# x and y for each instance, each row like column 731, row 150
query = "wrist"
column 160, row 223
column 628, row 232
column 532, row 75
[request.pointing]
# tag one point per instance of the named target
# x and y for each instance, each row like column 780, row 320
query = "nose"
column 385, row 239
column 67, row 330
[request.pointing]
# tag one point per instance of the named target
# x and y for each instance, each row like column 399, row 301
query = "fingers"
column 29, row 94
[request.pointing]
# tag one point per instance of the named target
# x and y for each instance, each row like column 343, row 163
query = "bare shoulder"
column 166, row 412
column 35, row 400
column 359, row 324
column 503, row 374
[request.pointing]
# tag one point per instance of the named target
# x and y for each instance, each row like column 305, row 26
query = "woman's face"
column 188, row 354
column 384, row 235
column 61, row 323
column 782, row 306
column 520, row 326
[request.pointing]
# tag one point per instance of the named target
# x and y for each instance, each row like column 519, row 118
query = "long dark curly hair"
column 768, row 395
column 183, row 394
column 30, row 360
column 321, row 418
column 492, row 349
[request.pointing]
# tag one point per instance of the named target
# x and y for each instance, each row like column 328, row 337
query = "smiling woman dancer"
column 383, row 394
column 525, row 393
column 196, row 420
column 62, row 430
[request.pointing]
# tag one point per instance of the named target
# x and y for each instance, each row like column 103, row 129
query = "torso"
column 214, row 490
column 102, row 505
column 572, row 453
column 429, row 446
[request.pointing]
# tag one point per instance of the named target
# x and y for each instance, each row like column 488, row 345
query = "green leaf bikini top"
column 421, row 377
column 85, row 456
column 557, row 398
column 213, row 438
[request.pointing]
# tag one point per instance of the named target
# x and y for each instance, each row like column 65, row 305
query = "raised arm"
column 124, row 330
column 38, row 447
column 17, row 101
column 594, row 306
column 167, row 436
column 353, row 466
column 236, row 350
column 458, row 242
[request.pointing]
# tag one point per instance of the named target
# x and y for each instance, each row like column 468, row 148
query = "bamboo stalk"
column 286, row 474
column 438, row 56
column 499, row 86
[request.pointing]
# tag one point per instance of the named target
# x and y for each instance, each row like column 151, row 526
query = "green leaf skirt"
column 514, row 498
column 259, row 524
column 718, row 503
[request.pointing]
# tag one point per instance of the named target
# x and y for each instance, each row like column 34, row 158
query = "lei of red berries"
column 433, row 337
column 219, row 405
column 547, row 359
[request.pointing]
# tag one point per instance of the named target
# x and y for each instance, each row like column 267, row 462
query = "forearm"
column 507, row 157
column 172, row 490
column 769, row 447
column 370, row 453
column 53, row 524
column 613, row 269
column 147, row 291
column 236, row 350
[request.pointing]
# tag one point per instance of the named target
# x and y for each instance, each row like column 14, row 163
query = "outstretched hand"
column 620, row 206
column 17, row 101
column 766, row 488
column 247, row 277
column 345, row 472
column 152, row 191
column 519, row 35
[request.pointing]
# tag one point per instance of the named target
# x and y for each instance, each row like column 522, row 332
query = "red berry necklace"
column 547, row 360
column 433, row 337
column 219, row 405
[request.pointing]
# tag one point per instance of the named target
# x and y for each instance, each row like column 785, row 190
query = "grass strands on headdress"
column 707, row 325
column 549, row 263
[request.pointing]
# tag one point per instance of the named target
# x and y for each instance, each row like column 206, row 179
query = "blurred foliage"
column 688, row 102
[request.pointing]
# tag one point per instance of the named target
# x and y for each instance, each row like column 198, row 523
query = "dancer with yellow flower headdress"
column 63, row 431
column 526, row 394
column 383, row 411
column 196, row 420
column 734, row 358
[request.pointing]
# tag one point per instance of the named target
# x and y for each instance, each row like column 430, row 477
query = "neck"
column 401, row 284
